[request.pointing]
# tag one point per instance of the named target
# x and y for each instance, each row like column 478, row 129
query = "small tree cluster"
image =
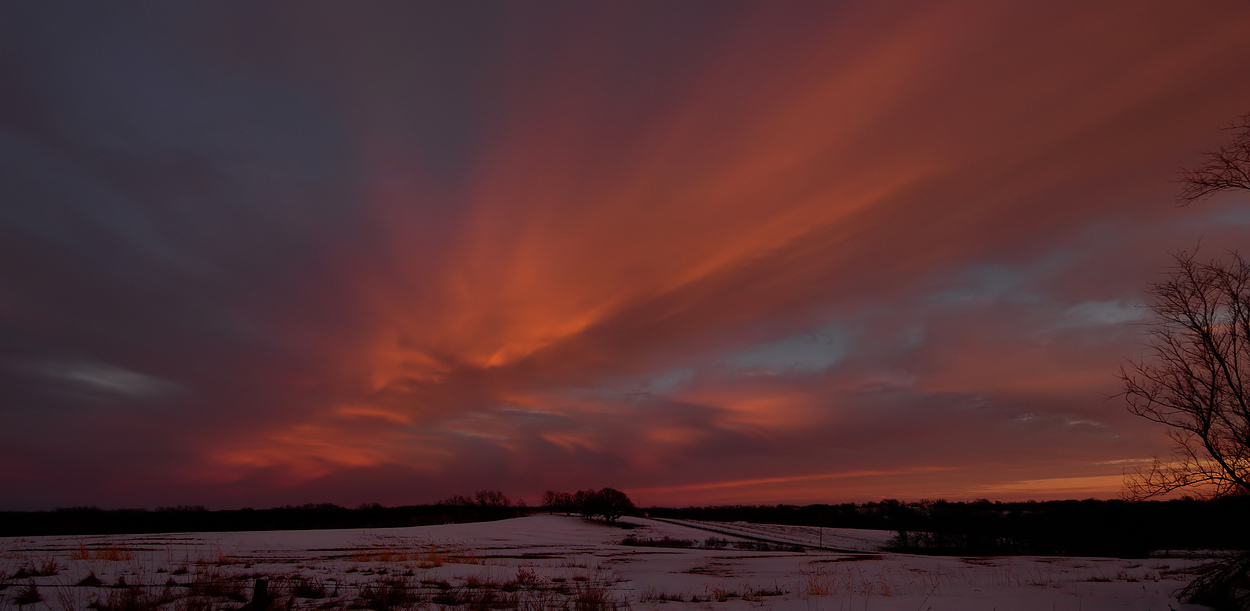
column 608, row 503
column 483, row 498
column 482, row 505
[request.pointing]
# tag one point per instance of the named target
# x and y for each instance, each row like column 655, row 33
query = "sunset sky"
column 254, row 254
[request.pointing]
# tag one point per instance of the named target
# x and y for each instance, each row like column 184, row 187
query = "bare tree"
column 551, row 499
column 559, row 501
column 1223, row 170
column 1195, row 378
column 1195, row 374
column 491, row 498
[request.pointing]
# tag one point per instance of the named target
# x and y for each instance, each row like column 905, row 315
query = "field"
column 559, row 562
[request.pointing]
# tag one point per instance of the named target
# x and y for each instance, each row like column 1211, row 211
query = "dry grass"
column 137, row 599
column 427, row 555
column 650, row 594
column 211, row 587
column 821, row 580
column 214, row 555
column 214, row 583
column 110, row 551
column 28, row 595
column 39, row 568
column 721, row 595
column 757, row 595
column 385, row 595
column 595, row 597
column 301, row 587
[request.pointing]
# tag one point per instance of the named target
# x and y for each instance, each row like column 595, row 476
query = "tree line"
column 482, row 506
column 1115, row 528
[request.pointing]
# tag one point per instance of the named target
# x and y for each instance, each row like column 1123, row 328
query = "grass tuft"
column 110, row 551
column 28, row 595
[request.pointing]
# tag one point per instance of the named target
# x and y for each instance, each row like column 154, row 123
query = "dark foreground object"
column 1129, row 529
column 92, row 521
column 1226, row 587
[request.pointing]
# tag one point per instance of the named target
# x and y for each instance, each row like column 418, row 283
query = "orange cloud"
column 793, row 176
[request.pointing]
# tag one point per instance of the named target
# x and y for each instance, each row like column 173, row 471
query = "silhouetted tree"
column 559, row 501
column 492, row 498
column 1195, row 374
column 608, row 503
column 457, row 500
column 1195, row 378
column 612, row 504
column 567, row 503
column 584, row 501
column 1226, row 169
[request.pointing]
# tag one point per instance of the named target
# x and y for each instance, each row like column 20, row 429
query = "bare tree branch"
column 1222, row 170
column 1193, row 378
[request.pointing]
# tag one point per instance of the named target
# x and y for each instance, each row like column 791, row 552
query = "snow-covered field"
column 552, row 561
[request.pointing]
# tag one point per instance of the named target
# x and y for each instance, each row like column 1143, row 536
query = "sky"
column 705, row 253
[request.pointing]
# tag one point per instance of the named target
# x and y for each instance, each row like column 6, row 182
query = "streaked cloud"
column 707, row 253
column 107, row 379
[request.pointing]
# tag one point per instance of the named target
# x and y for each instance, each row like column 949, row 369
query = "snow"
column 548, row 560
column 833, row 539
